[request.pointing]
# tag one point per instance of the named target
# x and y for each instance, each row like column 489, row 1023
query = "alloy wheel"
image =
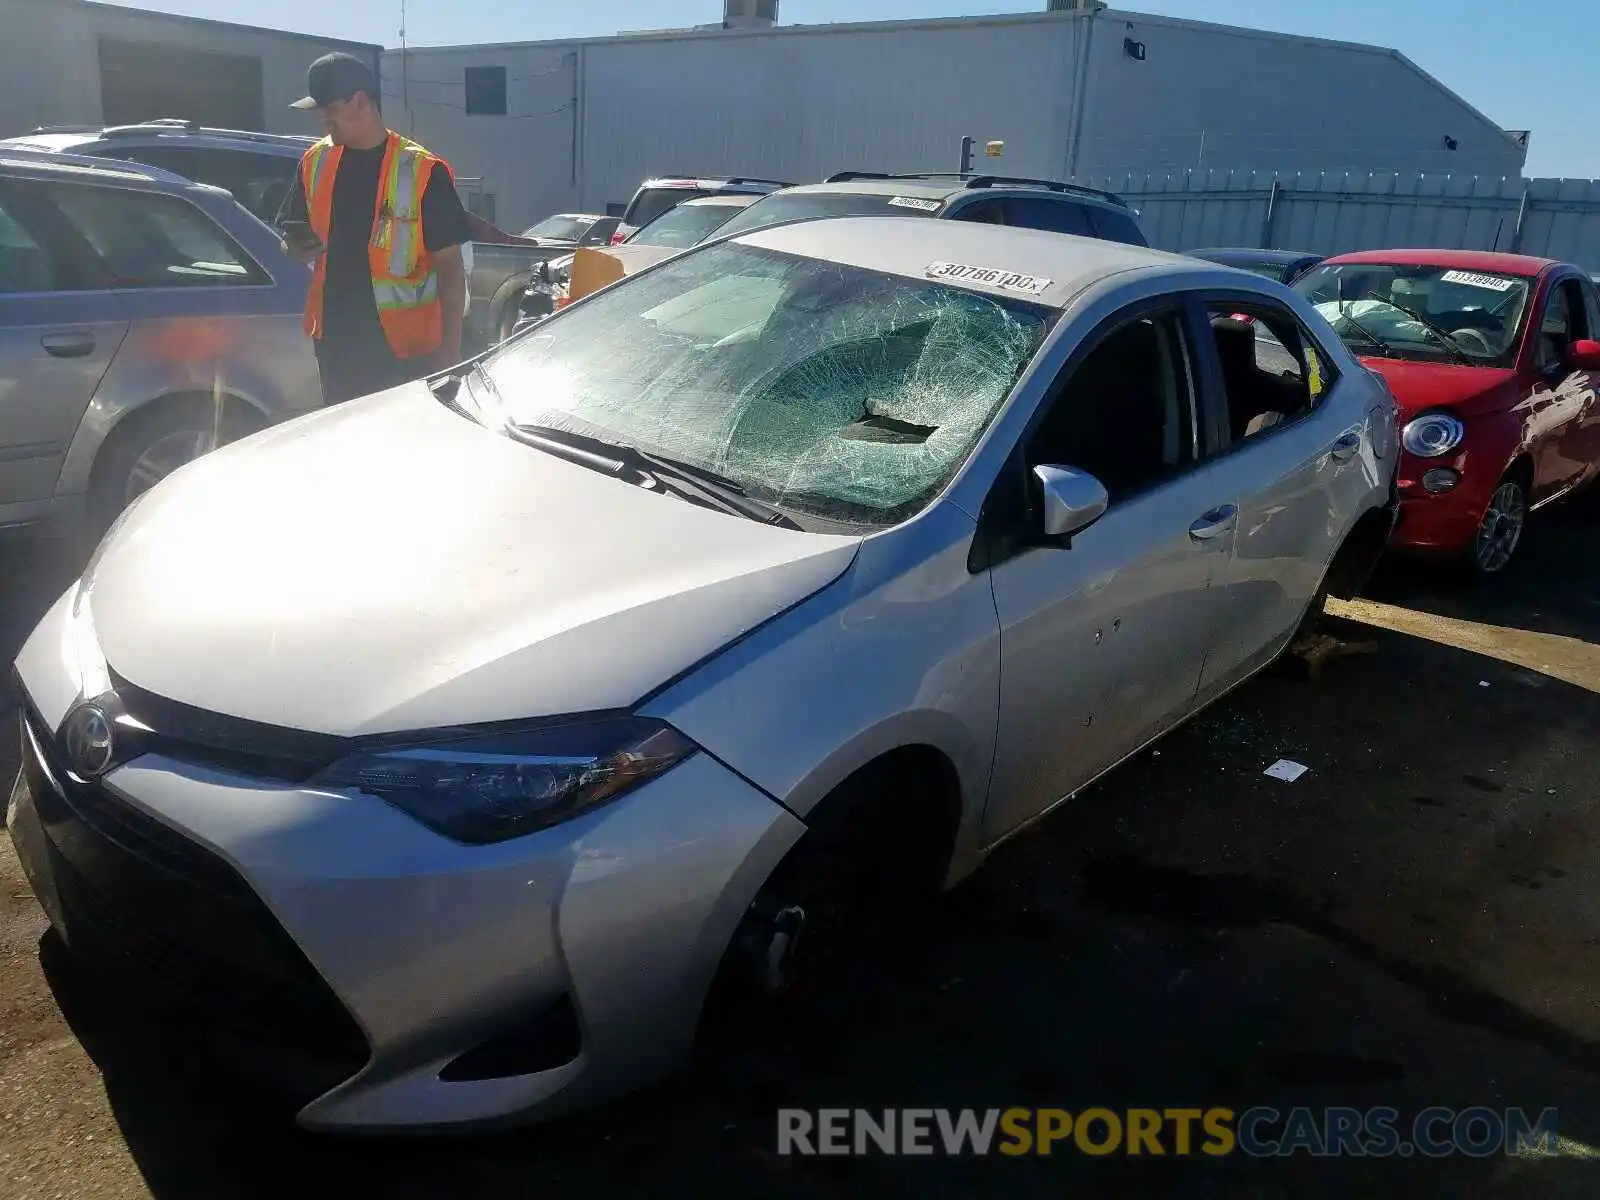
column 1501, row 528
column 164, row 456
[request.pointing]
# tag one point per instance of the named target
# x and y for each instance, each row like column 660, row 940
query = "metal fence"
column 1334, row 212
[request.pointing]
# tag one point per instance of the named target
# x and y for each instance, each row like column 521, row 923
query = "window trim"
column 1218, row 422
column 1003, row 531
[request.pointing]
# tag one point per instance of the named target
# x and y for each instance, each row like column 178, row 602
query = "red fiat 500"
column 1495, row 361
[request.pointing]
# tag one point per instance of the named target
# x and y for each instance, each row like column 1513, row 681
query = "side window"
column 1057, row 216
column 1115, row 226
column 25, row 265
column 1591, row 308
column 1563, row 323
column 984, row 212
column 147, row 240
column 1125, row 412
column 1272, row 372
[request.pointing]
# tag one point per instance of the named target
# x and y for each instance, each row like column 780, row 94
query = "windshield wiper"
column 615, row 458
column 1449, row 343
column 1388, row 350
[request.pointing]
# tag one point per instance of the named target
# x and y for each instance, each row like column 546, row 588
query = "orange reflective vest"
column 404, row 283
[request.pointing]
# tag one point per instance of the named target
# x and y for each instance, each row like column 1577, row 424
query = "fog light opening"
column 552, row 1039
column 1440, row 480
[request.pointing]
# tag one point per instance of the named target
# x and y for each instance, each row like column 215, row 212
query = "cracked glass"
column 846, row 393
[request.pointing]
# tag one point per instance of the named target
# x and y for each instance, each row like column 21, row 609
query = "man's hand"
column 303, row 254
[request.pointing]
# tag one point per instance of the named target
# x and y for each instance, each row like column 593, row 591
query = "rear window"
column 801, row 206
column 1114, row 225
column 684, row 226
column 650, row 203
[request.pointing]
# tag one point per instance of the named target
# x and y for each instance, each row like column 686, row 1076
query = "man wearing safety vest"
column 380, row 219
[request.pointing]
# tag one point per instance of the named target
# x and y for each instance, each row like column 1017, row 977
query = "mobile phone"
column 300, row 234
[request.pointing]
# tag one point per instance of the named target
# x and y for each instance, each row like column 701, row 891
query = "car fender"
column 265, row 363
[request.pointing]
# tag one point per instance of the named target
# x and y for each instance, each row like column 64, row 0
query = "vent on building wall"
column 749, row 14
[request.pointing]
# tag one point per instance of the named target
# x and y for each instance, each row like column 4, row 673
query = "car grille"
column 139, row 898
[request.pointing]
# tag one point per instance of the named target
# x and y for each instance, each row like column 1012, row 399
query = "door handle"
column 68, row 345
column 1346, row 447
column 1214, row 523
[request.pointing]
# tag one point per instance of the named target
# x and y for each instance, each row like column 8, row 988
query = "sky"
column 1533, row 66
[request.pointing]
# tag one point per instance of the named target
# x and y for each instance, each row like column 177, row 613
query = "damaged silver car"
column 449, row 745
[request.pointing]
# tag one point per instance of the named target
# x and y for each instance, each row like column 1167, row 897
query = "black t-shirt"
column 350, row 314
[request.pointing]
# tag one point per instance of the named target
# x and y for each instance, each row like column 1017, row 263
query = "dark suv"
column 994, row 199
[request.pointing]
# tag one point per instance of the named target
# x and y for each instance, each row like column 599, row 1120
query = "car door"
column 1296, row 446
column 1102, row 640
column 1560, row 401
column 58, row 333
column 1584, row 438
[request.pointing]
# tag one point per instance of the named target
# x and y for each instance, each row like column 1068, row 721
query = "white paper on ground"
column 1286, row 770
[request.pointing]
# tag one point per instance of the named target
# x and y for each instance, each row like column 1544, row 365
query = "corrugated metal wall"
column 1335, row 212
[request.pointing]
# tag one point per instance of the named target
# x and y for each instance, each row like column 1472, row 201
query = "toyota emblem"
column 89, row 740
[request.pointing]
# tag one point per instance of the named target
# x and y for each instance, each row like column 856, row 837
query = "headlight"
column 1433, row 434
column 480, row 789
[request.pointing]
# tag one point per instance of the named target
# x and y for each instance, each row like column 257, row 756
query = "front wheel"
column 1500, row 532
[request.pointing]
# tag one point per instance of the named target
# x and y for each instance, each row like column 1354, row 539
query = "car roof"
column 47, row 163
column 71, row 138
column 947, row 187
column 1465, row 260
column 910, row 245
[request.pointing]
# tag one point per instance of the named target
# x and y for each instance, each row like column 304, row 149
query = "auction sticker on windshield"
column 1011, row 281
column 1494, row 283
column 916, row 202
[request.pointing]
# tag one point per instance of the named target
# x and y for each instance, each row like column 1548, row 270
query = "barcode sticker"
column 916, row 202
column 1495, row 283
column 1011, row 281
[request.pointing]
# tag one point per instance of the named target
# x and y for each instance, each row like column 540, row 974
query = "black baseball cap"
column 337, row 77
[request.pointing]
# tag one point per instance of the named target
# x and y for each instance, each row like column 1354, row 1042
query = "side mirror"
column 1584, row 355
column 1073, row 500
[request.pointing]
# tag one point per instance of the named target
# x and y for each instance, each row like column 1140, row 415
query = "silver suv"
column 1046, row 204
column 144, row 319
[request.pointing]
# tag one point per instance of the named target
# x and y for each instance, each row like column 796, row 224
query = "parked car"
column 257, row 168
column 1494, row 359
column 143, row 318
column 991, row 199
column 1283, row 265
column 687, row 224
column 477, row 837
column 656, row 195
column 988, row 199
column 572, row 229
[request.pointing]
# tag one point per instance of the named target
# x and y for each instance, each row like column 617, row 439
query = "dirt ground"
column 1414, row 922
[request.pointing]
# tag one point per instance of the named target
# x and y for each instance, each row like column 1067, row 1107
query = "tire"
column 871, row 854
column 1501, row 530
column 152, row 443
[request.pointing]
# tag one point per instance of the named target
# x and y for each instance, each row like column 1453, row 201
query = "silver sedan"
column 778, row 582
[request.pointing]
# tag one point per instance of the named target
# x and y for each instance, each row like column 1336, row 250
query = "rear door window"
column 147, row 240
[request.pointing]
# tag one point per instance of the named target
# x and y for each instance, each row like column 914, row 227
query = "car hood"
column 1418, row 386
column 389, row 565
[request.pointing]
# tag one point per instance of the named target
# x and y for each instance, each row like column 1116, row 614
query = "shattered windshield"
column 837, row 391
column 1404, row 304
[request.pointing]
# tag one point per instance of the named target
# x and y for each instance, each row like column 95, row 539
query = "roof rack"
column 181, row 125
column 738, row 179
column 982, row 181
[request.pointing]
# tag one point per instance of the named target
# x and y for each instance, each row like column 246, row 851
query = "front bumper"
column 1443, row 524
column 359, row 955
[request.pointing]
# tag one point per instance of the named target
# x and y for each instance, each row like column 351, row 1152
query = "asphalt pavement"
column 1414, row 922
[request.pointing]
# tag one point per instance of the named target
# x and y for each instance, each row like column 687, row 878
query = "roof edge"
column 209, row 22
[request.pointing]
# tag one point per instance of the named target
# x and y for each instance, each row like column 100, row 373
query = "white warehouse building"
column 1077, row 91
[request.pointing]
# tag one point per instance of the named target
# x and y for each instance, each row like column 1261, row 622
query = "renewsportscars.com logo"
column 1259, row 1132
